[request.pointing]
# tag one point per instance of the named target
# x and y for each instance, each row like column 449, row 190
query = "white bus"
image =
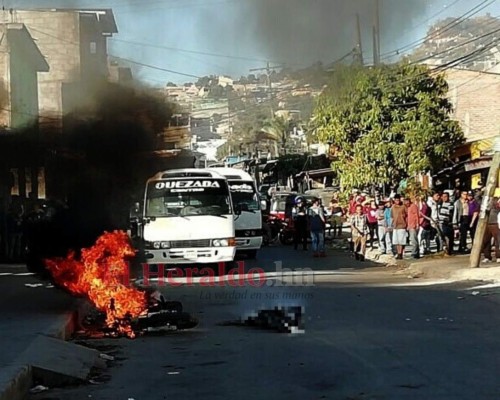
column 245, row 197
column 188, row 217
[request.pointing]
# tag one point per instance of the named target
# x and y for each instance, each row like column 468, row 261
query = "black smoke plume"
column 303, row 32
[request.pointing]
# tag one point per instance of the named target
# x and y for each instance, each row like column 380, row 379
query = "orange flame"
column 99, row 276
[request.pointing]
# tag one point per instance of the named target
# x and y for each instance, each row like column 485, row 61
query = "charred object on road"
column 160, row 317
column 280, row 319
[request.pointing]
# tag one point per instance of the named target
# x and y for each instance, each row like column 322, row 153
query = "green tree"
column 278, row 130
column 387, row 123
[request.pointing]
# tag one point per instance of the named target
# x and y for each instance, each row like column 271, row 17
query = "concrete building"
column 74, row 43
column 474, row 95
column 20, row 64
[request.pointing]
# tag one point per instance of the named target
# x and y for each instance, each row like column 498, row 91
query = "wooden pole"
column 491, row 185
column 359, row 45
column 377, row 28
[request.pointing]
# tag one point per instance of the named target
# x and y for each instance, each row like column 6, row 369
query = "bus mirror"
column 136, row 210
column 237, row 209
column 263, row 204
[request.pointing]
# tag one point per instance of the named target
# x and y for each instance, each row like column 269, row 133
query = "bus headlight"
column 157, row 245
column 224, row 242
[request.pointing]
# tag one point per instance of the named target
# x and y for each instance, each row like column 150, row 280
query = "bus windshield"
column 187, row 197
column 244, row 194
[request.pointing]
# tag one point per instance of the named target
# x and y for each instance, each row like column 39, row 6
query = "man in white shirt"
column 433, row 203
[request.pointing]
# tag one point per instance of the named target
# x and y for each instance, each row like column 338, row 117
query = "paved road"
column 28, row 307
column 279, row 258
column 360, row 342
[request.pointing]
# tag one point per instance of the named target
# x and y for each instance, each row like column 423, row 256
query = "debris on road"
column 33, row 285
column 38, row 389
column 106, row 357
column 280, row 319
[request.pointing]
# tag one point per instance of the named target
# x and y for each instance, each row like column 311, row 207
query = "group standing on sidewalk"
column 397, row 223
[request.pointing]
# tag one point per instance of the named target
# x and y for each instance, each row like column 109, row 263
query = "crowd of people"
column 19, row 225
column 393, row 224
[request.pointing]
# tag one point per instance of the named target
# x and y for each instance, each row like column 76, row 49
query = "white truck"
column 188, row 217
column 245, row 197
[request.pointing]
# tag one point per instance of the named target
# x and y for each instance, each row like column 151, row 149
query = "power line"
column 188, row 51
column 432, row 17
column 177, row 6
column 457, row 46
column 154, row 67
column 473, row 11
column 121, row 58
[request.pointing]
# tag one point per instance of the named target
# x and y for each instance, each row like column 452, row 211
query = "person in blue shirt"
column 388, row 224
column 317, row 224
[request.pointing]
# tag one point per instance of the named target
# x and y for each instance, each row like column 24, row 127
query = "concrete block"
column 55, row 362
column 15, row 382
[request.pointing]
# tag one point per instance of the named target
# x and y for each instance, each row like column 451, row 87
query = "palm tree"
column 277, row 130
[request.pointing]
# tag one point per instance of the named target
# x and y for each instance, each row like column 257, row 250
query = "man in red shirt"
column 413, row 225
column 370, row 211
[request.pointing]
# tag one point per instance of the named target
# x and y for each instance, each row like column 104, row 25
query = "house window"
column 93, row 47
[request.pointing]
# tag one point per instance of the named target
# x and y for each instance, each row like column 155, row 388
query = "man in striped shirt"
column 445, row 219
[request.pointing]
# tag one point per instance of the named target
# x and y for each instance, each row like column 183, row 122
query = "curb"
column 16, row 380
column 19, row 383
column 439, row 266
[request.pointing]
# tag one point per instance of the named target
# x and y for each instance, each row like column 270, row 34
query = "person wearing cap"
column 354, row 201
column 399, row 224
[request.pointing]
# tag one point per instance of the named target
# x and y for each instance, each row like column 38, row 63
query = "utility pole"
column 376, row 60
column 376, row 54
column 358, row 53
column 268, row 70
column 486, row 203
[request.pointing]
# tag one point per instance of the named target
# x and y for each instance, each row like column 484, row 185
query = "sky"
column 231, row 37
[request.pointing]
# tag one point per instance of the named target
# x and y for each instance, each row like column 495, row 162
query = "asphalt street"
column 28, row 307
column 361, row 341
